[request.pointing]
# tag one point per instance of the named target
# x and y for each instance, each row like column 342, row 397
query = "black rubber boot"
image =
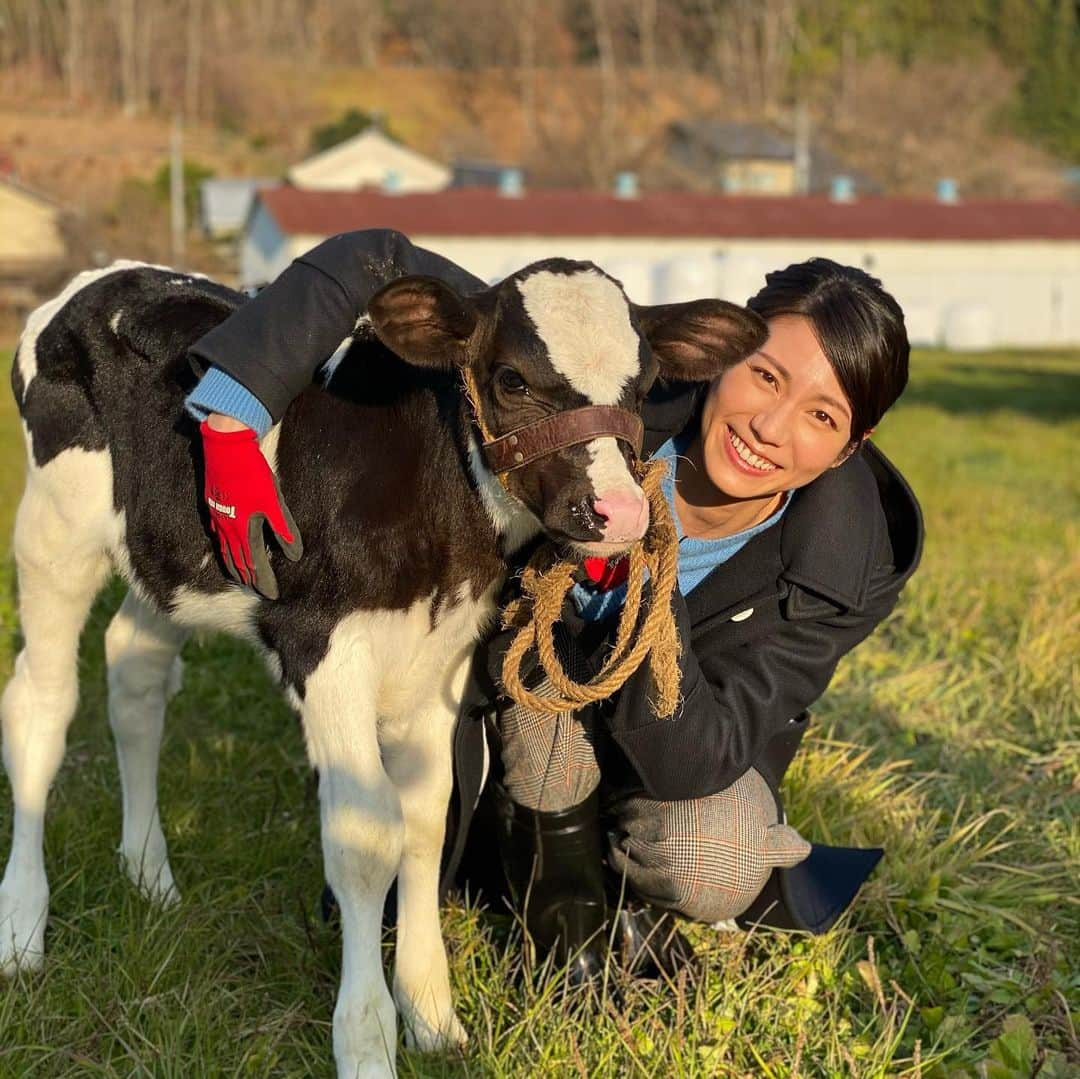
column 554, row 869
column 649, row 942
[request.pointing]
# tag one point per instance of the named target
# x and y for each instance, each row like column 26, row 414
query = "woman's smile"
column 743, row 457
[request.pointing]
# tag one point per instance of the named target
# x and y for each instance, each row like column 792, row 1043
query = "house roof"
column 12, row 181
column 730, row 139
column 667, row 215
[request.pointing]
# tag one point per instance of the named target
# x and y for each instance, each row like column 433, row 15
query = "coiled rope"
column 545, row 583
column 547, row 579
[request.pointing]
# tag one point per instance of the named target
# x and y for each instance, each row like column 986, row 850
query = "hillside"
column 903, row 127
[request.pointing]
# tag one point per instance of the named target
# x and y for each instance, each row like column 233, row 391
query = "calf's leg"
column 361, row 839
column 60, row 569
column 142, row 650
column 419, row 762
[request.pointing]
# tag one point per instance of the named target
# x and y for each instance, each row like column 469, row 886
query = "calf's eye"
column 511, row 381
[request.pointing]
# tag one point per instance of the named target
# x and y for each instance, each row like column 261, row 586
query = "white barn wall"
column 1030, row 290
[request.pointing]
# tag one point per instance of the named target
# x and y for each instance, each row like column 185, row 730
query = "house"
column 748, row 159
column 494, row 174
column 32, row 244
column 370, row 159
column 224, row 205
column 968, row 273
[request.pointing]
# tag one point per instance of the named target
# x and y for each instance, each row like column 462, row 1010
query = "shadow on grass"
column 968, row 387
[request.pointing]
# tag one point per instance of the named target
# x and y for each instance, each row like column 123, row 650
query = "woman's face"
column 778, row 419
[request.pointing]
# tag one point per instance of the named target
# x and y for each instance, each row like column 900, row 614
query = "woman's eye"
column 825, row 418
column 513, row 382
column 765, row 376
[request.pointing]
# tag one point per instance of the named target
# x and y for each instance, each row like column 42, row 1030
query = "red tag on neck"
column 604, row 574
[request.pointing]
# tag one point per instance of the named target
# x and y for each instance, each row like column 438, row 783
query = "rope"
column 544, row 584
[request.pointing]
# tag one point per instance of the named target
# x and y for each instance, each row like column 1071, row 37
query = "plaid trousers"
column 706, row 858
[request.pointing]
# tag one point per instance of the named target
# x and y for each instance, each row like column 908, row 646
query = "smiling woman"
column 799, row 405
column 795, row 539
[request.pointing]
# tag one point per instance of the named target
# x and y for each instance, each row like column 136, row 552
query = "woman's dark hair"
column 859, row 325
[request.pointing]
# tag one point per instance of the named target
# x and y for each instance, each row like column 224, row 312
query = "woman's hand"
column 242, row 495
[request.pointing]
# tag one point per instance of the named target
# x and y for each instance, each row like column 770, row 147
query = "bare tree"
column 609, row 89
column 74, row 58
column 526, row 39
column 124, row 14
column 193, row 59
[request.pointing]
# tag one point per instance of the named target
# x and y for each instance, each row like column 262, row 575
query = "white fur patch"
column 515, row 524
column 401, row 654
column 584, row 321
column 268, row 444
column 231, row 611
column 607, row 470
column 114, row 322
column 79, row 487
column 361, row 328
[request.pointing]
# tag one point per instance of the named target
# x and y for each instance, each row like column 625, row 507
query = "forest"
column 197, row 56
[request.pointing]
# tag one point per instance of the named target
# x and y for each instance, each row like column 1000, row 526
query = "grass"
column 949, row 737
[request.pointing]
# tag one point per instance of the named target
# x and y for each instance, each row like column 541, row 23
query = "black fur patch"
column 373, row 467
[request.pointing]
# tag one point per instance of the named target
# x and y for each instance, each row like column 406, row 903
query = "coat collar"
column 827, row 543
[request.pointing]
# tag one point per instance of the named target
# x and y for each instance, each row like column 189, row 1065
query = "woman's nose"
column 769, row 427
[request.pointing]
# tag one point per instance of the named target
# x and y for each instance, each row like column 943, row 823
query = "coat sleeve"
column 273, row 344
column 733, row 702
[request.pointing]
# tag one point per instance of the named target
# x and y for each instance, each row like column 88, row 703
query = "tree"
column 351, row 122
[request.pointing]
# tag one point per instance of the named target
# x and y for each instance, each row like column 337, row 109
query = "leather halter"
column 517, row 448
column 533, row 440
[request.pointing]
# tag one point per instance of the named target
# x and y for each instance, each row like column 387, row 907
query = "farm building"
column 32, row 243
column 224, row 205
column 748, row 159
column 968, row 274
column 370, row 159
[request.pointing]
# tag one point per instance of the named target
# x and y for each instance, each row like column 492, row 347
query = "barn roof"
column 667, row 215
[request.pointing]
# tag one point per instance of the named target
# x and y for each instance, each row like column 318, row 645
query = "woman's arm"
column 263, row 356
column 272, row 345
column 733, row 703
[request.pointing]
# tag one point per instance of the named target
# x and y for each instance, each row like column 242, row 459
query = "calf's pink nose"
column 625, row 513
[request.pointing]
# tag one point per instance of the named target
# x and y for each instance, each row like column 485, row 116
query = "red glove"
column 243, row 495
column 604, row 574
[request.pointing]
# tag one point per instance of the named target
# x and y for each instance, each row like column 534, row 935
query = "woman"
column 796, row 536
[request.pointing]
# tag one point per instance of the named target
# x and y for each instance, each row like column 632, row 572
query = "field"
column 950, row 738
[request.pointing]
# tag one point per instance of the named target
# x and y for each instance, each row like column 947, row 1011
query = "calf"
column 407, row 530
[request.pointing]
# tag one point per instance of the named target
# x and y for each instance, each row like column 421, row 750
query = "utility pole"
column 177, row 216
column 802, row 149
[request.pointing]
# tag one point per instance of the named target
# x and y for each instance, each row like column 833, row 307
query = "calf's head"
column 559, row 336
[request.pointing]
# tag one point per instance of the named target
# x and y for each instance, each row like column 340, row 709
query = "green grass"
column 950, row 738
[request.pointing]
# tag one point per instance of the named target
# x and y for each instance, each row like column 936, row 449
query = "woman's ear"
column 850, row 448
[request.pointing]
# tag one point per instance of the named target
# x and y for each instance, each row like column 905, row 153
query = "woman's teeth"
column 745, row 453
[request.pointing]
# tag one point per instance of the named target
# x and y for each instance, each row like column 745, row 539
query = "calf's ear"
column 424, row 321
column 696, row 341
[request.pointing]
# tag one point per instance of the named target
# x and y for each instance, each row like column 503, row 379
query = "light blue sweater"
column 697, row 557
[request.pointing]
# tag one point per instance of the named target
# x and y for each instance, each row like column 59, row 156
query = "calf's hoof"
column 155, row 882
column 365, row 1037
column 22, row 929
column 433, row 1034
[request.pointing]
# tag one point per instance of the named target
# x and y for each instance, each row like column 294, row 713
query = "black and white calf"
column 406, row 533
